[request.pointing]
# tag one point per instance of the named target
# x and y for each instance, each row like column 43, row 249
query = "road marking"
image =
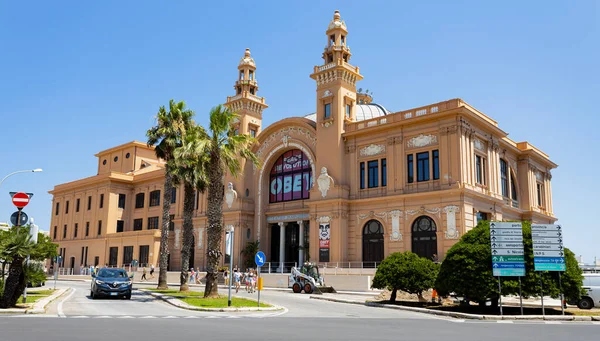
column 80, row 317
column 148, row 317
column 169, row 317
column 60, row 305
column 212, row 317
column 191, row 317
column 504, row 321
column 126, row 317
column 233, row 317
column 595, row 322
column 552, row 322
column 103, row 317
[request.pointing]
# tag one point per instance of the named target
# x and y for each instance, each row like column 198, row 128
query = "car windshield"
column 112, row 273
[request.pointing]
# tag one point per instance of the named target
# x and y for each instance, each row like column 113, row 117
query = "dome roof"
column 363, row 112
column 336, row 22
column 247, row 60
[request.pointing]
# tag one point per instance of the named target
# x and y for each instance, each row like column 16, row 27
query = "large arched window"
column 372, row 243
column 424, row 237
column 290, row 177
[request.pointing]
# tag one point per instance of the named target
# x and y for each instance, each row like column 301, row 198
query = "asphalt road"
column 77, row 317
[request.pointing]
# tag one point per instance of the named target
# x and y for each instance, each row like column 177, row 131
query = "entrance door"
column 424, row 237
column 292, row 243
column 72, row 263
column 372, row 244
column 275, row 243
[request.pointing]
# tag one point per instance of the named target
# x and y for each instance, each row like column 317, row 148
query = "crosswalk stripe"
column 552, row 322
column 103, row 317
column 169, row 317
column 504, row 321
column 191, row 317
column 148, row 317
column 80, row 317
column 212, row 317
column 126, row 317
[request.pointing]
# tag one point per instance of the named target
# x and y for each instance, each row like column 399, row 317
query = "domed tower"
column 246, row 103
column 336, row 98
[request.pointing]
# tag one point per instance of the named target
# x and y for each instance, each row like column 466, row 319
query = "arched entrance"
column 424, row 237
column 372, row 243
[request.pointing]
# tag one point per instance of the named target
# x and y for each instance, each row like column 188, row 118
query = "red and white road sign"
column 20, row 199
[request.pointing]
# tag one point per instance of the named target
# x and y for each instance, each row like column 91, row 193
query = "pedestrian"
column 144, row 274
column 198, row 276
column 226, row 277
column 192, row 275
column 237, row 277
column 152, row 270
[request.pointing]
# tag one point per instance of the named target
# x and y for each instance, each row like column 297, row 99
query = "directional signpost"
column 548, row 251
column 259, row 259
column 508, row 257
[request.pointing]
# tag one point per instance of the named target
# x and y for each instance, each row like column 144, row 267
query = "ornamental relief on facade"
column 372, row 149
column 479, row 145
column 284, row 136
column 422, row 141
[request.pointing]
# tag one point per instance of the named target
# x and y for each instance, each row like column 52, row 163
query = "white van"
column 591, row 283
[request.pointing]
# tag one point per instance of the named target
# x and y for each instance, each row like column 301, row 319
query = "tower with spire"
column 245, row 102
column 336, row 98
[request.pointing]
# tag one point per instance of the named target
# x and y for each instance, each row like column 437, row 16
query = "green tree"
column 188, row 168
column 405, row 271
column 467, row 271
column 223, row 151
column 249, row 252
column 166, row 136
column 15, row 246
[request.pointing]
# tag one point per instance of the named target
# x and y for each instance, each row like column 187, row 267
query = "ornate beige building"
column 352, row 182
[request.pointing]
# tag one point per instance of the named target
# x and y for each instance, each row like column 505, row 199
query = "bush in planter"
column 405, row 271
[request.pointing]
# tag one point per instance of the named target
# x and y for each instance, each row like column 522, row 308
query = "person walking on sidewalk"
column 152, row 270
column 144, row 274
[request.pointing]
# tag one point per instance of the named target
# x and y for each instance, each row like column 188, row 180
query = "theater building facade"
column 350, row 183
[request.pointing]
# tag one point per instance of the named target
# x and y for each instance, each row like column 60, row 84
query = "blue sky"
column 78, row 77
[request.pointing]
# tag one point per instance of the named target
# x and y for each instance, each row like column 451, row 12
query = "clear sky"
column 78, row 77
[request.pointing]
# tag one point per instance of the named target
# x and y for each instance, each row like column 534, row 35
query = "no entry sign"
column 20, row 199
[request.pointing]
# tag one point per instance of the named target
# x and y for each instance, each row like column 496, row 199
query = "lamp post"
column 21, row 171
column 230, row 229
column 33, row 232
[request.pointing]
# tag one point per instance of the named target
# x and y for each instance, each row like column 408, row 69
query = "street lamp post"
column 33, row 232
column 21, row 171
column 230, row 229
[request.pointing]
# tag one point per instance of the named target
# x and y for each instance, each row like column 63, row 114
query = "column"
column 301, row 243
column 281, row 245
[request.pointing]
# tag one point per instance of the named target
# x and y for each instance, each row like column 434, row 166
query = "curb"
column 180, row 304
column 462, row 315
column 39, row 307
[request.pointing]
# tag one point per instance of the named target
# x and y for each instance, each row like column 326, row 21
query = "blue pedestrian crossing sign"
column 260, row 258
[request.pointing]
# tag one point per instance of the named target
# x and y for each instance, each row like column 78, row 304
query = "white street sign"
column 509, row 245
column 548, row 247
column 545, row 227
column 547, row 241
column 508, row 252
column 503, row 232
column 542, row 234
column 501, row 239
column 548, row 254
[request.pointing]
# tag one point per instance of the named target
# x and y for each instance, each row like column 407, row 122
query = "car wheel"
column 308, row 288
column 297, row 288
column 585, row 303
column 128, row 297
column 92, row 295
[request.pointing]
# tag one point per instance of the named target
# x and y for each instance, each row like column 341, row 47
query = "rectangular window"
column 362, row 175
column 513, row 188
column 197, row 199
column 154, row 198
column 102, row 200
column 327, row 110
column 481, row 216
column 77, row 205
column 373, row 173
column 139, row 200
column 504, row 177
column 410, row 168
column 113, row 254
column 253, row 132
column 57, row 208
column 120, row 226
column 67, row 207
column 540, row 195
column 348, row 110
column 75, row 230
column 55, row 232
column 480, row 169
column 173, row 195
column 127, row 255
column 435, row 155
column 242, row 75
column 89, row 203
column 144, row 252
column 96, row 260
column 423, row 166
column 99, row 227
column 122, row 198
column 65, row 232
column 82, row 254
column 250, row 74
column 171, row 222
column 137, row 224
column 383, row 172
column 87, row 228
column 153, row 223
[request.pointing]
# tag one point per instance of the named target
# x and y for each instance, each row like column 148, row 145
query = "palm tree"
column 15, row 245
column 166, row 135
column 222, row 151
column 188, row 168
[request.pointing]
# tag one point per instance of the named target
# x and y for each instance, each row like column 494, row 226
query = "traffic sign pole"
column 259, row 260
column 500, row 293
column 520, row 296
column 562, row 296
column 259, row 285
column 542, row 295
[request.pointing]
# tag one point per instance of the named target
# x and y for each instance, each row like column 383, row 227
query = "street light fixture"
column 21, row 171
